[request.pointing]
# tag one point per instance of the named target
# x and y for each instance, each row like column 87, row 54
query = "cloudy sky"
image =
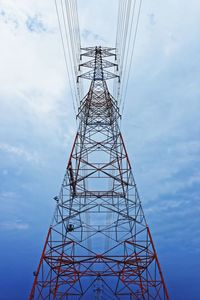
column 161, row 122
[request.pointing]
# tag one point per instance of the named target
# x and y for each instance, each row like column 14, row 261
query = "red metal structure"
column 99, row 245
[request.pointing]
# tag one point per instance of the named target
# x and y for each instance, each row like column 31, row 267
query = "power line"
column 67, row 15
column 71, row 49
column 125, row 44
column 120, row 38
column 65, row 56
column 124, row 48
column 127, row 52
column 134, row 42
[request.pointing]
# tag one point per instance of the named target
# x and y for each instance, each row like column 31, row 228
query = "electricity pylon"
column 99, row 245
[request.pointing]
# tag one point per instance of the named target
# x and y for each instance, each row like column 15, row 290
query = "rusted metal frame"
column 117, row 259
column 139, row 275
column 118, row 275
column 139, row 211
column 58, row 274
column 158, row 264
column 39, row 266
column 157, row 287
column 60, row 262
column 83, row 273
column 87, row 269
column 71, row 285
column 57, row 247
column 40, row 292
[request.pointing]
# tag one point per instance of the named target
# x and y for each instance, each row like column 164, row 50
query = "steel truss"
column 99, row 245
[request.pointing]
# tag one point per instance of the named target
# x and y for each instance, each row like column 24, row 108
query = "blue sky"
column 161, row 127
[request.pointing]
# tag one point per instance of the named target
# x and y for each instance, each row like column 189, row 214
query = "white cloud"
column 20, row 152
column 161, row 119
column 31, row 71
column 36, row 106
column 13, row 225
column 162, row 107
column 163, row 98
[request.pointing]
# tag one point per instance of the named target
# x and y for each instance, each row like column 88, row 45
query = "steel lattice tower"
column 99, row 245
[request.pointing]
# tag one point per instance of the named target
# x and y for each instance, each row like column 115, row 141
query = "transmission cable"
column 134, row 42
column 65, row 57
column 71, row 49
column 127, row 55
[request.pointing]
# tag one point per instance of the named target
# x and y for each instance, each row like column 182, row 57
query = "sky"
column 160, row 125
